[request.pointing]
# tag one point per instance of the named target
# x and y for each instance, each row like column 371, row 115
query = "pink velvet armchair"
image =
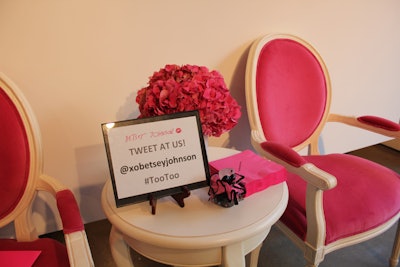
column 335, row 200
column 21, row 177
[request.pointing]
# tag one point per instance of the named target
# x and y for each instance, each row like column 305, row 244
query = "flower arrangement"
column 184, row 88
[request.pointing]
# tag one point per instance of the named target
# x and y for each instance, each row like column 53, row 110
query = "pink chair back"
column 14, row 156
column 292, row 91
column 18, row 153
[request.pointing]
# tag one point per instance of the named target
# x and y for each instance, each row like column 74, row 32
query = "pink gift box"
column 259, row 173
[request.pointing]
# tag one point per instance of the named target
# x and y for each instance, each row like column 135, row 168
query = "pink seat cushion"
column 367, row 194
column 53, row 253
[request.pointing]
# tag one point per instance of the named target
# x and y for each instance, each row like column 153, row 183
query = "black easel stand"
column 179, row 198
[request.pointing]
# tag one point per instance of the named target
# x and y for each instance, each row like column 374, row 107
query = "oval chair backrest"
column 290, row 90
column 18, row 149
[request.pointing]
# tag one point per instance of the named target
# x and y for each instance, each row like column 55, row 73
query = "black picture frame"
column 156, row 156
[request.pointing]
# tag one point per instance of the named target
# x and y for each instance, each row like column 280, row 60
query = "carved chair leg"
column 313, row 257
column 394, row 260
column 311, row 263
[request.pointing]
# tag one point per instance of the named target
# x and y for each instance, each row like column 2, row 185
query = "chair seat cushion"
column 367, row 195
column 53, row 253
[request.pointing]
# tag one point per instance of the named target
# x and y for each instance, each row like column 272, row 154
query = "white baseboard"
column 395, row 144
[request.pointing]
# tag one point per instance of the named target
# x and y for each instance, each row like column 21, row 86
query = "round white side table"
column 199, row 234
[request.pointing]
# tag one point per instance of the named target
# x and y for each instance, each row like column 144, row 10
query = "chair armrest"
column 371, row 123
column 317, row 181
column 79, row 253
column 69, row 212
column 66, row 203
column 296, row 164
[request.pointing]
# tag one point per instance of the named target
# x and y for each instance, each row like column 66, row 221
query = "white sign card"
column 156, row 155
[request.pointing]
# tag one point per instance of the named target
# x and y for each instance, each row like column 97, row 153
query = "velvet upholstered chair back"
column 18, row 146
column 291, row 96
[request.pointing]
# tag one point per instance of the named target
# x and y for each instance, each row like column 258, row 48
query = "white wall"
column 80, row 63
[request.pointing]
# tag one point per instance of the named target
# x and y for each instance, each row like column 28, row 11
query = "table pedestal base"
column 232, row 255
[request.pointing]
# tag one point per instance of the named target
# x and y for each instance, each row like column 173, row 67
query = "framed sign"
column 156, row 155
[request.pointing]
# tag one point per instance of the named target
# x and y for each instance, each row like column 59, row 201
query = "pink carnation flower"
column 184, row 88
